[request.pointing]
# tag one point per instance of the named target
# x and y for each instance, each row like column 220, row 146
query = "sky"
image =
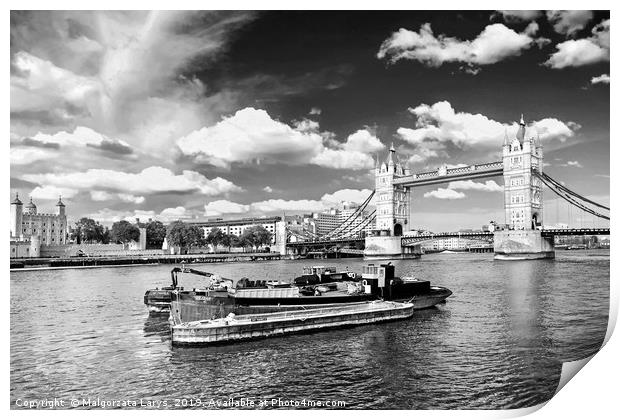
column 197, row 115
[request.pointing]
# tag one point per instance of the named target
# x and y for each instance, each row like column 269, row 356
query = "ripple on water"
column 497, row 343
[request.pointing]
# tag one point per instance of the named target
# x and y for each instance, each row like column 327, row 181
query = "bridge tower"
column 522, row 158
column 522, row 189
column 392, row 201
column 392, row 211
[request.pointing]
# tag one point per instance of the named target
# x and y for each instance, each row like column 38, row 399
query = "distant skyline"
column 170, row 115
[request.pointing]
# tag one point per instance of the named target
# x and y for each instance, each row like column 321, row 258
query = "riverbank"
column 94, row 262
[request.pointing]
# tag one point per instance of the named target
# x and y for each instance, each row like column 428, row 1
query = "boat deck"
column 244, row 327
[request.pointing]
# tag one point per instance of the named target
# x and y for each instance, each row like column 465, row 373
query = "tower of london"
column 31, row 229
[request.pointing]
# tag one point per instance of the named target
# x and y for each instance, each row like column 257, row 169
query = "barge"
column 247, row 297
column 245, row 327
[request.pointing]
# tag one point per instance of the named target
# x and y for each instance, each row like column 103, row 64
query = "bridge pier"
column 388, row 247
column 522, row 245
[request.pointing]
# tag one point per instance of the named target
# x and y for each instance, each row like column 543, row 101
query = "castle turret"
column 60, row 207
column 16, row 216
column 31, row 208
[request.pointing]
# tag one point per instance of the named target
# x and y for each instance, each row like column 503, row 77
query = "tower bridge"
column 444, row 174
column 524, row 238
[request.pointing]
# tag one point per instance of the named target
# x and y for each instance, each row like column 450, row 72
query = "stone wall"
column 92, row 250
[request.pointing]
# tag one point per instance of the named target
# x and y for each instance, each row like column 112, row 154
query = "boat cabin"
column 376, row 272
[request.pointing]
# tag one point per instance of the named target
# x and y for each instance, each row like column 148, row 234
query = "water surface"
column 498, row 342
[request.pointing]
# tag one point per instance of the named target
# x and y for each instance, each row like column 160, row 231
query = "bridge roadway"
column 442, row 175
column 548, row 233
column 326, row 242
column 414, row 240
column 575, row 232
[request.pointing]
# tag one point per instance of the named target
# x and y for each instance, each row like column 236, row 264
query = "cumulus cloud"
column 315, row 111
column 423, row 152
column 268, row 189
column 494, row 44
column 151, row 180
column 519, row 15
column 97, row 195
column 86, row 68
column 488, row 186
column 346, row 195
column 306, row 125
column 251, row 135
column 603, row 78
column 51, row 192
column 326, row 201
column 278, row 205
column 108, row 216
column 584, row 51
column 439, row 123
column 27, row 156
column 79, row 149
column 84, row 137
column 39, row 85
column 568, row 22
column 363, row 141
column 445, row 194
column 219, row 207
column 175, row 213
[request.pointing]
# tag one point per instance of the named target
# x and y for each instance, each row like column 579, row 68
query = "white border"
column 592, row 393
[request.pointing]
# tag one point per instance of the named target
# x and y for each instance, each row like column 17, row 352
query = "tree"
column 227, row 240
column 155, row 234
column 238, row 241
column 215, row 237
column 124, row 232
column 256, row 236
column 106, row 237
column 183, row 236
column 87, row 231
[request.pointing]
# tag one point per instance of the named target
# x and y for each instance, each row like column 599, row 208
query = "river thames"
column 498, row 342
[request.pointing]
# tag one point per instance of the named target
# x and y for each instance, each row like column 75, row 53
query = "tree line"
column 184, row 236
column 89, row 231
column 178, row 234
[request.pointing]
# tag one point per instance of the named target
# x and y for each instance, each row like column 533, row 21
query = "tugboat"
column 411, row 289
column 311, row 290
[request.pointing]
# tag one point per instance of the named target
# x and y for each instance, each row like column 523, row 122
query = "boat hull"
column 192, row 306
column 277, row 324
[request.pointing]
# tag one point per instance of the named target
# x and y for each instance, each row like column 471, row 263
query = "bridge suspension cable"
column 351, row 219
column 571, row 196
column 362, row 224
column 564, row 188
